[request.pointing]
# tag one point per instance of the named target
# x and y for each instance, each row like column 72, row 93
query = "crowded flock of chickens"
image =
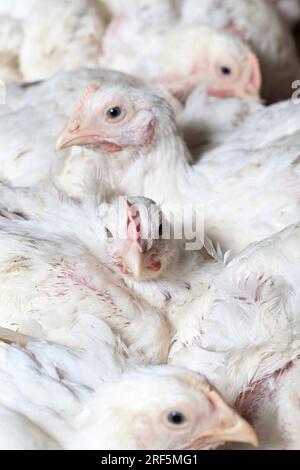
column 149, row 224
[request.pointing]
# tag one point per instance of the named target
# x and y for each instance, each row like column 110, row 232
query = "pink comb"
column 133, row 224
column 77, row 115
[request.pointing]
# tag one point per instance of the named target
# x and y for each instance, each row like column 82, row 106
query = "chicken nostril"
column 74, row 127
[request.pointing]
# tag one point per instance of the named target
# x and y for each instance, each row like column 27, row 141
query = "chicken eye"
column 108, row 233
column 114, row 113
column 226, row 71
column 177, row 418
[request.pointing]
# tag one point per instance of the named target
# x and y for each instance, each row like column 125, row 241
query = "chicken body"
column 251, row 20
column 244, row 332
column 45, row 106
column 52, row 36
column 63, row 35
column 52, row 276
column 183, row 57
column 245, row 188
column 52, row 397
column 256, row 22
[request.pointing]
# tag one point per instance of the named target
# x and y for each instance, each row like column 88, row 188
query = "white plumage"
column 246, row 327
column 53, row 273
column 75, row 42
column 247, row 190
column 28, row 157
column 9, row 50
column 254, row 21
column 56, row 398
column 183, row 57
column 100, row 299
column 37, row 49
column 257, row 22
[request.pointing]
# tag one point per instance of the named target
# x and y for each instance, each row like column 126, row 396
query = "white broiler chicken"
column 244, row 332
column 165, row 275
column 45, row 106
column 61, row 35
column 52, row 397
column 246, row 189
column 67, row 261
column 183, row 57
column 256, row 22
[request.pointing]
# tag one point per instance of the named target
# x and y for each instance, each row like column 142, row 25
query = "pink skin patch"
column 149, row 134
column 69, row 273
column 220, row 93
column 155, row 266
column 248, row 401
column 109, row 147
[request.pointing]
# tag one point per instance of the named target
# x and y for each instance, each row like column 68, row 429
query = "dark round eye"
column 177, row 418
column 160, row 230
column 226, row 70
column 108, row 233
column 114, row 113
